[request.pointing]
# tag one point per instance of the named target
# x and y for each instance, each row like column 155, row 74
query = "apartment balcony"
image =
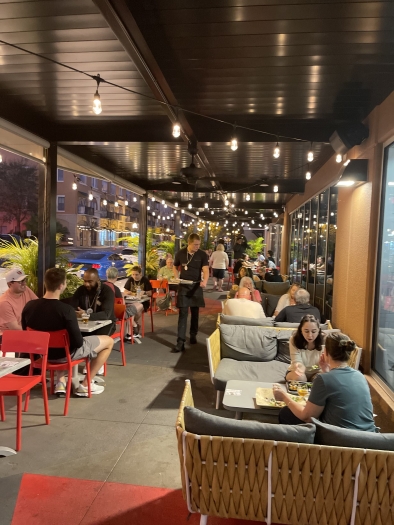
column 105, row 214
column 85, row 210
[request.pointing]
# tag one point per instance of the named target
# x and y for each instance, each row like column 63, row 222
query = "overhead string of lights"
column 97, row 105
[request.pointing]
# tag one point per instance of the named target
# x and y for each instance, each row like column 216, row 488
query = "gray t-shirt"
column 345, row 395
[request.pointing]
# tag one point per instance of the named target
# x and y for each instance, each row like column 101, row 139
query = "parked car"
column 129, row 255
column 101, row 261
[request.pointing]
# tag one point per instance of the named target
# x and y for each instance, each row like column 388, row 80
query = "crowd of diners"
column 339, row 394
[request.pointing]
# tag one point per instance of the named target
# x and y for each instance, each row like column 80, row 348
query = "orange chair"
column 158, row 284
column 60, row 339
column 119, row 310
column 230, row 276
column 14, row 385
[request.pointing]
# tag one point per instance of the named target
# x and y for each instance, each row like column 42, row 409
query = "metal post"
column 177, row 231
column 47, row 188
column 143, row 222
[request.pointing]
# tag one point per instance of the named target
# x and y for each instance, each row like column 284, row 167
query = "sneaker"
column 60, row 389
column 94, row 387
column 136, row 331
column 127, row 338
column 99, row 373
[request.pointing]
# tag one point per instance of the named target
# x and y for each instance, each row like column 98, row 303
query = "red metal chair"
column 119, row 310
column 230, row 271
column 14, row 385
column 60, row 339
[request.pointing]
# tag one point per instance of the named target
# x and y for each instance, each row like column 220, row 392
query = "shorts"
column 88, row 349
column 218, row 273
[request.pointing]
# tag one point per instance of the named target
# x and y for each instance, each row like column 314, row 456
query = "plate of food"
column 293, row 386
column 265, row 398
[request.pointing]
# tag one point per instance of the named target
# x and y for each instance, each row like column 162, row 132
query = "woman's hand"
column 324, row 367
column 279, row 394
column 299, row 369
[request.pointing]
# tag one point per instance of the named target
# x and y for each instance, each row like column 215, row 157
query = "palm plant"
column 152, row 255
column 255, row 246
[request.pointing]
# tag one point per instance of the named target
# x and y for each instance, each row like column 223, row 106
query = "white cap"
column 16, row 274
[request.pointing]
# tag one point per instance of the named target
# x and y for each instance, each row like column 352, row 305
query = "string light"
column 90, row 195
column 310, row 155
column 153, row 213
column 277, row 151
column 153, row 199
column 163, row 201
column 206, row 205
column 338, row 158
column 234, row 142
column 226, row 202
column 105, row 202
column 189, row 206
column 197, row 213
column 176, row 205
column 308, row 175
column 212, row 212
column 275, row 214
column 148, row 208
column 97, row 109
column 116, row 203
column 126, row 203
column 176, row 130
column 276, row 189
column 135, row 199
column 246, row 212
column 248, row 197
column 74, row 186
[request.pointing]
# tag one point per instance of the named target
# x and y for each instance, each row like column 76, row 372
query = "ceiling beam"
column 121, row 21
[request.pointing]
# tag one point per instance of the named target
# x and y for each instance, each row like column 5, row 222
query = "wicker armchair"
column 280, row 482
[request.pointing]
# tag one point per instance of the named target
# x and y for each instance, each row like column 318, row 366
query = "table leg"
column 238, row 415
column 5, row 451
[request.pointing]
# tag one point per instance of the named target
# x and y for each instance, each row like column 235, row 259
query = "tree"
column 19, row 192
column 32, row 225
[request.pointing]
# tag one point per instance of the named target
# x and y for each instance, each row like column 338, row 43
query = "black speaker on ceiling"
column 348, row 135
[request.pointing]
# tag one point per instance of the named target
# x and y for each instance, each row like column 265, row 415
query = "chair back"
column 25, row 342
column 58, row 339
column 118, row 300
column 119, row 310
column 230, row 269
column 159, row 283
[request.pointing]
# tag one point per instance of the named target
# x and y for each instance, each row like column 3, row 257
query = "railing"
column 85, row 210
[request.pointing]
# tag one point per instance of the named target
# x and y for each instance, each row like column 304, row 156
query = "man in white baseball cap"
column 14, row 300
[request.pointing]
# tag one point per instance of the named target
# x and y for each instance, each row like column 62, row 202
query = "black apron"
column 190, row 295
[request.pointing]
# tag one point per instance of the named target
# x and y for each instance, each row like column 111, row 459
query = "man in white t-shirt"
column 243, row 306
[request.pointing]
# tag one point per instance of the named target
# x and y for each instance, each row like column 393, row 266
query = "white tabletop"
column 240, row 396
column 134, row 299
column 92, row 326
column 10, row 364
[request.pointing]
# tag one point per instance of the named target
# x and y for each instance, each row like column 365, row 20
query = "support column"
column 47, row 191
column 284, row 257
column 177, row 231
column 143, row 223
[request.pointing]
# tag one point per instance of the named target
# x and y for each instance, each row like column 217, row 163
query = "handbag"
column 164, row 303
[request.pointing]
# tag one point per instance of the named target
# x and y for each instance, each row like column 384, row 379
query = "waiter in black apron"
column 190, row 262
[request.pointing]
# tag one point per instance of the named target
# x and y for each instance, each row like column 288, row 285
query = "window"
column 61, row 203
column 94, row 183
column 60, row 175
column 82, row 179
column 120, row 192
column 112, row 189
column 383, row 348
column 104, row 185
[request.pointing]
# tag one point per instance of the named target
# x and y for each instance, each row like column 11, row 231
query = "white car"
column 129, row 255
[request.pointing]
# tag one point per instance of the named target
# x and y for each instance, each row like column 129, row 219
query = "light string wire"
column 162, row 102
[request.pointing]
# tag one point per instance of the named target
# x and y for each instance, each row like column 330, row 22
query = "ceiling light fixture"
column 97, row 109
column 338, row 158
column 276, row 189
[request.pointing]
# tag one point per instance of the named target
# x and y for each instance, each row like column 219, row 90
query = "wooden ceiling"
column 289, row 68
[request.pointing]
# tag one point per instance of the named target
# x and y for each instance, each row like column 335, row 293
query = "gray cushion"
column 247, row 343
column 283, row 354
column 346, row 437
column 269, row 302
column 236, row 320
column 201, row 423
column 276, row 288
column 228, row 369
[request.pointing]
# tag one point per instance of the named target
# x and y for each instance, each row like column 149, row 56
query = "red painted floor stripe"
column 47, row 500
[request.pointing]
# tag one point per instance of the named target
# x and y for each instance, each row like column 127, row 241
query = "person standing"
column 191, row 262
column 219, row 263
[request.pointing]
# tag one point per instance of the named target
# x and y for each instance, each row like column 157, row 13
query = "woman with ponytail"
column 338, row 397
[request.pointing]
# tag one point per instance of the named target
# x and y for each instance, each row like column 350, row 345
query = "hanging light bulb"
column 206, row 205
column 105, row 202
column 226, row 202
column 225, row 208
column 90, row 195
column 189, row 206
column 163, row 201
column 248, row 197
column 148, row 208
column 74, row 186
column 153, row 199
column 338, row 158
column 246, row 212
column 308, row 175
column 234, row 144
column 276, row 189
column 310, row 155
column 232, row 205
column 197, row 213
column 1, row 158
column 126, row 203
column 277, row 151
column 135, row 199
column 116, row 203
column 153, row 213
column 212, row 212
column 176, row 205
column 97, row 109
column 176, row 130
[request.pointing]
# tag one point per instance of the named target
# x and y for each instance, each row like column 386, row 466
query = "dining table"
column 7, row 366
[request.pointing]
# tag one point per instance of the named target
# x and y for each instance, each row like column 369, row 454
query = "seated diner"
column 243, row 306
column 287, row 299
column 294, row 314
column 138, row 286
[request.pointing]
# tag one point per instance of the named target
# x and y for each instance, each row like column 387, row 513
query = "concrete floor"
column 125, row 434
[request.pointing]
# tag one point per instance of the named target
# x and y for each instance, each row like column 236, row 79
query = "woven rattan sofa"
column 282, row 482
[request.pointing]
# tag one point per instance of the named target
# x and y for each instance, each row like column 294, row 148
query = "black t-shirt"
column 132, row 285
column 50, row 315
column 194, row 263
